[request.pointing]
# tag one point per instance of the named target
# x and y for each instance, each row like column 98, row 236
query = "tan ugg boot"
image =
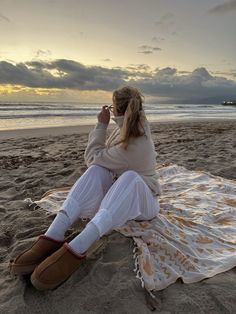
column 56, row 268
column 26, row 262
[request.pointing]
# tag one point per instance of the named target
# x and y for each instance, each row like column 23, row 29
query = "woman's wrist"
column 101, row 125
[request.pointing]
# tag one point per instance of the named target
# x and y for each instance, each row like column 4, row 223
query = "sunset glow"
column 77, row 50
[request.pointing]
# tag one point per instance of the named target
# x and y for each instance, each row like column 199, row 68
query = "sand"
column 32, row 162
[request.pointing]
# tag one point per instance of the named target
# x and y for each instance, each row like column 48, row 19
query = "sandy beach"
column 34, row 161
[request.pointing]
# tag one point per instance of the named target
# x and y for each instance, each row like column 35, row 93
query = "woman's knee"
column 98, row 169
column 93, row 167
column 100, row 172
column 129, row 175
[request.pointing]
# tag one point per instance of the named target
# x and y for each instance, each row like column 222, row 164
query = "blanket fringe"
column 137, row 270
column 34, row 205
column 31, row 204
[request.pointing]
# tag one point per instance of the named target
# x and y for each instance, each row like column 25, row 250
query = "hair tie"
column 135, row 96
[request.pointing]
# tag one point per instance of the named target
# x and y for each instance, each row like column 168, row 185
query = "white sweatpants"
column 108, row 203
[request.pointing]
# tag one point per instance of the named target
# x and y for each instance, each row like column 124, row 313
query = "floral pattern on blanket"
column 192, row 238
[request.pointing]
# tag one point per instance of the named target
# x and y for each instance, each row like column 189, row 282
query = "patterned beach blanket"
column 192, row 238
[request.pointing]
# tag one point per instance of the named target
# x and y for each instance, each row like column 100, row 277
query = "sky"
column 173, row 51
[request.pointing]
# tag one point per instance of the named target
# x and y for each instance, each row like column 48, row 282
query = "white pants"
column 108, row 203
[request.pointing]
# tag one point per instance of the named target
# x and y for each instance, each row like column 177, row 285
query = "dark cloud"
column 145, row 47
column 42, row 53
column 196, row 86
column 233, row 73
column 165, row 72
column 139, row 70
column 227, row 73
column 107, row 60
column 223, row 8
column 141, row 66
column 146, row 52
column 184, row 72
column 71, row 74
column 158, row 39
column 148, row 49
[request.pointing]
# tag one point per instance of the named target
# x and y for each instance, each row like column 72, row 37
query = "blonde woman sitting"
column 120, row 184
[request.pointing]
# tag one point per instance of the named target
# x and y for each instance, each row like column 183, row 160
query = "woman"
column 120, row 184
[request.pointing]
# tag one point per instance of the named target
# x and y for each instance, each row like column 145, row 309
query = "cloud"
column 61, row 73
column 165, row 72
column 233, row 73
column 4, row 18
column 146, row 52
column 184, row 72
column 139, row 70
column 42, row 53
column 227, row 73
column 223, row 8
column 158, row 39
column 198, row 86
column 148, row 49
column 106, row 60
column 141, row 66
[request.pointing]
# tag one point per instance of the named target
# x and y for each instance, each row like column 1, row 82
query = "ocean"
column 47, row 114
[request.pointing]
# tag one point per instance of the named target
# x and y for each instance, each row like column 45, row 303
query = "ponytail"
column 128, row 102
column 133, row 122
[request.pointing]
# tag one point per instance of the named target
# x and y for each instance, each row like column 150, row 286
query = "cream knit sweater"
column 140, row 155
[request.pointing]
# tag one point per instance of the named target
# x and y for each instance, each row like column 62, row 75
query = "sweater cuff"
column 101, row 125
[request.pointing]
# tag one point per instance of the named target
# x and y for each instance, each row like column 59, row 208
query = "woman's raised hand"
column 104, row 115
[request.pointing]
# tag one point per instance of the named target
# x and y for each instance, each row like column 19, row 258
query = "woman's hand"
column 104, row 115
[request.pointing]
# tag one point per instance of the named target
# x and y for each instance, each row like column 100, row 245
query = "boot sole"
column 41, row 286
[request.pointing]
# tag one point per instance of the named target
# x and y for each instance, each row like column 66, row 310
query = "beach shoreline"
column 33, row 162
column 85, row 128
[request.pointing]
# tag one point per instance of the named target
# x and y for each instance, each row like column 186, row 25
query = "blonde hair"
column 128, row 101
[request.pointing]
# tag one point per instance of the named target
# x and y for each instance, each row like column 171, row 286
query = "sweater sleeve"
column 96, row 152
column 101, row 125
